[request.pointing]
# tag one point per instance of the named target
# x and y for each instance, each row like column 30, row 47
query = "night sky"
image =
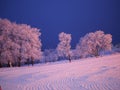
column 77, row 17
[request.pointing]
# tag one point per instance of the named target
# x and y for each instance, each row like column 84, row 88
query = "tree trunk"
column 19, row 61
column 28, row 61
column 97, row 51
column 69, row 57
column 0, row 65
column 0, row 88
column 32, row 61
column 8, row 65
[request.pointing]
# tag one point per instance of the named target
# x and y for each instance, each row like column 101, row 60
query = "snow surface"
column 102, row 73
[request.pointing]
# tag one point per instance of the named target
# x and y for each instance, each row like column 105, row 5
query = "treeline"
column 21, row 44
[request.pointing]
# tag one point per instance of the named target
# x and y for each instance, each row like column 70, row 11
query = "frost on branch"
column 64, row 46
column 93, row 43
column 18, row 42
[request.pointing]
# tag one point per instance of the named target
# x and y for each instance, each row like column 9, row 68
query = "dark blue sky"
column 77, row 17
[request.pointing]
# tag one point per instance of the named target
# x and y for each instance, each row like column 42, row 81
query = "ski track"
column 101, row 73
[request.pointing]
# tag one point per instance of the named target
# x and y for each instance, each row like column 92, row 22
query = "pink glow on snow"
column 102, row 73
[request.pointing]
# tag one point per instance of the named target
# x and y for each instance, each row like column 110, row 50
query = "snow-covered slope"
column 101, row 73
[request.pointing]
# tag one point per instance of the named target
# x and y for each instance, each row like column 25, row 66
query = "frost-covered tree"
column 50, row 55
column 18, row 42
column 93, row 43
column 64, row 46
column 116, row 48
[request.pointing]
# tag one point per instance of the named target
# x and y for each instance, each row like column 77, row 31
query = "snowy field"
column 102, row 73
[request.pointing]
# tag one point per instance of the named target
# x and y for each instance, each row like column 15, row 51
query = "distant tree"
column 64, row 46
column 93, row 43
column 74, row 54
column 18, row 42
column 116, row 48
column 50, row 55
column 117, row 45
